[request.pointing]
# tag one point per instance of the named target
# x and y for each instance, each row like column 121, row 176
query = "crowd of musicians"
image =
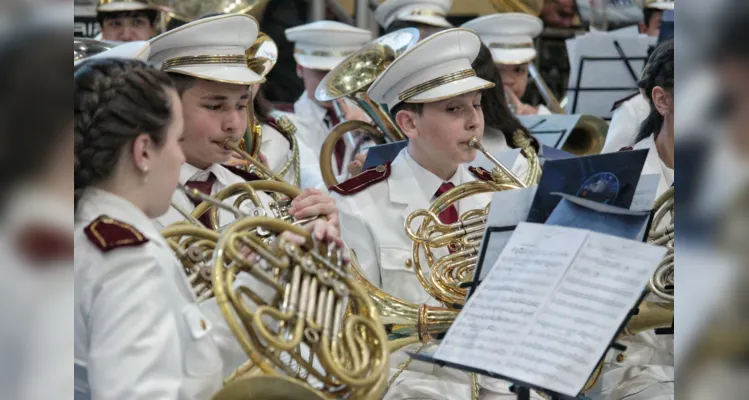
column 162, row 116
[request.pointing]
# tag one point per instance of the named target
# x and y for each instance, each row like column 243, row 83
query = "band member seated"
column 206, row 59
column 318, row 48
column 631, row 111
column 502, row 130
column 138, row 330
column 126, row 20
column 426, row 15
column 509, row 36
column 435, row 97
column 646, row 369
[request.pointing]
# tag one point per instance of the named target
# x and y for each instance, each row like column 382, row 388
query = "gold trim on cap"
column 428, row 13
column 324, row 53
column 496, row 45
column 203, row 60
column 436, row 82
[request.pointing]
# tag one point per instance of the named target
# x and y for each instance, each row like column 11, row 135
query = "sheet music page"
column 497, row 315
column 551, row 306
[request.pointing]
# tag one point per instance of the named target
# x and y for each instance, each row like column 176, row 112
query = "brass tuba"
column 187, row 11
column 351, row 79
column 532, row 7
column 84, row 48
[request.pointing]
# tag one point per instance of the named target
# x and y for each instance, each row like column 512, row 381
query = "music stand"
column 600, row 105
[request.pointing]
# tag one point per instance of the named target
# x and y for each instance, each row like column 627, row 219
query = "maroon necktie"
column 450, row 214
column 340, row 146
column 205, row 188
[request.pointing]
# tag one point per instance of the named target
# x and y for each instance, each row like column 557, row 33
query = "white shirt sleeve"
column 135, row 350
column 309, row 168
column 357, row 236
column 622, row 129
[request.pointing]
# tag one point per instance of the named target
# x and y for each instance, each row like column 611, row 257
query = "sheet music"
column 551, row 305
column 645, row 193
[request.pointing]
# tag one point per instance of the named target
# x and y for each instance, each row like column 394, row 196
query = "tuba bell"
column 351, row 79
column 186, row 11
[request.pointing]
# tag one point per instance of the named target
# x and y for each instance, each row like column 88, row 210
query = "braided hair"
column 659, row 71
column 493, row 102
column 115, row 101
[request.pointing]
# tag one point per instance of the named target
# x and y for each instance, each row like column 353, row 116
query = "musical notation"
column 550, row 306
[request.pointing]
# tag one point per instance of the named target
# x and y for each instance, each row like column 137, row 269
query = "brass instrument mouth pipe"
column 474, row 143
column 197, row 194
column 231, row 144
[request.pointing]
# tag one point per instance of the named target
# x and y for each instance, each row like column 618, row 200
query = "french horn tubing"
column 351, row 79
column 290, row 319
column 662, row 282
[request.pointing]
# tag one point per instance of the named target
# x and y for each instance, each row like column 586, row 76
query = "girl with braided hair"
column 657, row 131
column 138, row 331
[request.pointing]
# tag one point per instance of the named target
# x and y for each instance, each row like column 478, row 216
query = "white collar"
column 96, row 202
column 428, row 182
column 190, row 172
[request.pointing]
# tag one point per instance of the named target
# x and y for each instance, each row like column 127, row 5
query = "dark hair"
column 35, row 97
column 401, row 24
column 647, row 15
column 497, row 114
column 659, row 71
column 182, row 82
column 262, row 107
column 114, row 101
column 151, row 15
column 418, row 108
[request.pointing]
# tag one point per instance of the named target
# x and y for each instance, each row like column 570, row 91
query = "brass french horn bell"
column 532, row 7
column 351, row 79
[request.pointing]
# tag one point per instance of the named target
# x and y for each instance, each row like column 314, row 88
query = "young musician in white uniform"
column 126, row 20
column 646, row 369
column 631, row 111
column 426, row 15
column 138, row 331
column 318, row 48
column 435, row 97
column 510, row 36
column 215, row 96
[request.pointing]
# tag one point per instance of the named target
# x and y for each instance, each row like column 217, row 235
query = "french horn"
column 351, row 79
column 662, row 234
column 308, row 328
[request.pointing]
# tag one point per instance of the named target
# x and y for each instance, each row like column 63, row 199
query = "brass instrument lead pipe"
column 551, row 101
column 186, row 214
column 476, row 144
column 230, row 144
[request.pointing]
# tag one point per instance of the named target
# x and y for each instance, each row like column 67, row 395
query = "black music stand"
column 588, row 60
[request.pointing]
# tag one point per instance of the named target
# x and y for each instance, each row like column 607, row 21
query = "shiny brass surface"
column 351, row 79
column 662, row 234
column 86, row 47
column 257, row 167
column 190, row 10
column 287, row 311
column 532, row 7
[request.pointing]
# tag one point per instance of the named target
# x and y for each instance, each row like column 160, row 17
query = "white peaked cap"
column 210, row 48
column 427, row 12
column 437, row 68
column 138, row 50
column 119, row 5
column 660, row 4
column 322, row 45
column 509, row 36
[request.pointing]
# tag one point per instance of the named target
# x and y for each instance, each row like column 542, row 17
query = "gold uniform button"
column 620, row 357
column 409, row 263
column 203, row 325
column 380, row 168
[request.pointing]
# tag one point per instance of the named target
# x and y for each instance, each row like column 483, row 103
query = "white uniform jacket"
column 277, row 149
column 314, row 127
column 139, row 333
column 625, row 123
column 372, row 224
column 646, row 369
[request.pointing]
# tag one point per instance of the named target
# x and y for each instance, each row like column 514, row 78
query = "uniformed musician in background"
column 646, row 369
column 127, row 20
column 510, row 36
column 138, row 330
column 631, row 111
column 428, row 16
column 318, row 48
